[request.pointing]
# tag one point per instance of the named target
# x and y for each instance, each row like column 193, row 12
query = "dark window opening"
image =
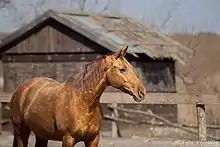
column 157, row 75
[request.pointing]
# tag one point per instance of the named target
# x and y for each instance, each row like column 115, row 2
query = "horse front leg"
column 68, row 141
column 40, row 142
column 94, row 142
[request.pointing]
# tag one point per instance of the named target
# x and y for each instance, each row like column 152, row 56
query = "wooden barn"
column 57, row 44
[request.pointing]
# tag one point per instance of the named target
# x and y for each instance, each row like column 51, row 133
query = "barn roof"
column 112, row 32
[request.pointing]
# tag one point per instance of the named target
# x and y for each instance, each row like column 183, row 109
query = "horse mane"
column 88, row 77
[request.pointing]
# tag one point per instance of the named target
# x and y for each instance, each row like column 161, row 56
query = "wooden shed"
column 56, row 44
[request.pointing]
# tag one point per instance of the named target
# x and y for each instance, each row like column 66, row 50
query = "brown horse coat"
column 70, row 111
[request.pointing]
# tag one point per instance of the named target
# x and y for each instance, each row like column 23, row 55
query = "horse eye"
column 122, row 70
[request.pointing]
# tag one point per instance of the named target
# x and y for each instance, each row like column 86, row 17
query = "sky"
column 184, row 16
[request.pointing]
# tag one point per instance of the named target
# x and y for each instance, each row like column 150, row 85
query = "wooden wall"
column 16, row 72
column 54, row 38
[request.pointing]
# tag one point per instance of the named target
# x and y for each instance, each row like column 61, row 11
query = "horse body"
column 69, row 111
column 65, row 112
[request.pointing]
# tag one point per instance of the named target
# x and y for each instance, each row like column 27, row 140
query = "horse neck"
column 90, row 83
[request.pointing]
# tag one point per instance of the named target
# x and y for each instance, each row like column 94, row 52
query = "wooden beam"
column 162, row 98
column 5, row 97
column 48, row 57
column 151, row 98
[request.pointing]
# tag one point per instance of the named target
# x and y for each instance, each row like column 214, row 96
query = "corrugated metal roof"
column 94, row 28
column 126, row 30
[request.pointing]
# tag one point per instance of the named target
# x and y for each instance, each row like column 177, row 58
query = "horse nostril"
column 141, row 94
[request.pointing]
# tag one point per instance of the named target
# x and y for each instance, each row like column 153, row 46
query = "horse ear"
column 122, row 52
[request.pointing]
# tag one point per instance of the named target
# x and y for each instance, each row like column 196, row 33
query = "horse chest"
column 86, row 125
column 80, row 121
column 84, row 128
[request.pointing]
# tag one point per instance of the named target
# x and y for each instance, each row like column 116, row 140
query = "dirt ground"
column 6, row 141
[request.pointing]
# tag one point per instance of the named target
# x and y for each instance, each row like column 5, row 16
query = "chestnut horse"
column 70, row 111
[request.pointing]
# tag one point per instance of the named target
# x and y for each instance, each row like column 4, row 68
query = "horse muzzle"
column 140, row 96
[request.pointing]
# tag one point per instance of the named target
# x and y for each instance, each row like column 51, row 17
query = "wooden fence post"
column 114, row 123
column 201, row 118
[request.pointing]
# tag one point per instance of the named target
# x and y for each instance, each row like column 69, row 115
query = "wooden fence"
column 200, row 100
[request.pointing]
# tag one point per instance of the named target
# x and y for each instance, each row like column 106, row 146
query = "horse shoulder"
column 61, row 113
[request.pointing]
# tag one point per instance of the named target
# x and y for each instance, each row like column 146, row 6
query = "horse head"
column 120, row 74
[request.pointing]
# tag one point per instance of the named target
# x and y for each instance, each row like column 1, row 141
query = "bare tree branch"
column 106, row 7
column 169, row 15
column 96, row 2
column 82, row 4
column 39, row 4
column 3, row 3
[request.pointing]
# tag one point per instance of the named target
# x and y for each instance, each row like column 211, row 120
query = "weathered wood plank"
column 114, row 123
column 162, row 98
column 49, row 57
column 152, row 98
column 201, row 118
column 5, row 97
